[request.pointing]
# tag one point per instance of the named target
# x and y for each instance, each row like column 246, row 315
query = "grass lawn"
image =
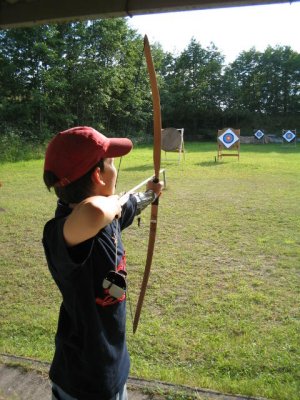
column 222, row 306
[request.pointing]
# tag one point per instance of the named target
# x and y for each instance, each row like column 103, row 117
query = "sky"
column 232, row 30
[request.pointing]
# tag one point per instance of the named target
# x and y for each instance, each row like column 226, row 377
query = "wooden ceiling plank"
column 15, row 13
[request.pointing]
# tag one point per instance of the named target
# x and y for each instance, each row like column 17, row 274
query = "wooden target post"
column 172, row 141
column 289, row 137
column 228, row 139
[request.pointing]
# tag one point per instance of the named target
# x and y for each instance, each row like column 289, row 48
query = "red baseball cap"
column 72, row 153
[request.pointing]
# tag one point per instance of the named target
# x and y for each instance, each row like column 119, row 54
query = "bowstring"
column 118, row 172
column 136, row 81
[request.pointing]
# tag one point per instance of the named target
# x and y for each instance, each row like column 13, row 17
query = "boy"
column 87, row 261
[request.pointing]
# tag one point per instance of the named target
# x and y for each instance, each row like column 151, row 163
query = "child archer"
column 86, row 258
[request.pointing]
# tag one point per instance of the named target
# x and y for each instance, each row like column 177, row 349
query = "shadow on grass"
column 203, row 147
column 212, row 163
column 144, row 167
column 269, row 148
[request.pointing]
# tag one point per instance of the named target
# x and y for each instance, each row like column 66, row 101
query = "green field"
column 222, row 306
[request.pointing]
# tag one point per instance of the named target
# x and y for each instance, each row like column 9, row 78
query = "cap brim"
column 118, row 147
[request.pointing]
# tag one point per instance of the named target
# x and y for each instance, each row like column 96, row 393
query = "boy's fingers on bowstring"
column 162, row 185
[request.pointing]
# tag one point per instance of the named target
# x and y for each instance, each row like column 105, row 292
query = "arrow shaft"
column 123, row 199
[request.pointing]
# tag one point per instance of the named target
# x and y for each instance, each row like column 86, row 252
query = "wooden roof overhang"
column 16, row 13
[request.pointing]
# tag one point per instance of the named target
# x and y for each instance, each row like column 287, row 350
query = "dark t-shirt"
column 91, row 361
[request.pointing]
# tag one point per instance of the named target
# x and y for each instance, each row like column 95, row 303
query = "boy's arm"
column 89, row 217
column 153, row 190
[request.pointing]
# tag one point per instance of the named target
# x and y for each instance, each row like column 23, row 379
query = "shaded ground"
column 26, row 379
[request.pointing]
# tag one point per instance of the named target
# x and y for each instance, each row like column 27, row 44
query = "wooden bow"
column 156, row 160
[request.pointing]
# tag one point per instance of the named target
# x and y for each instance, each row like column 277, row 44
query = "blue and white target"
column 289, row 136
column 259, row 134
column 228, row 138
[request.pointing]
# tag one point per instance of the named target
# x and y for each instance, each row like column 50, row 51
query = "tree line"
column 94, row 73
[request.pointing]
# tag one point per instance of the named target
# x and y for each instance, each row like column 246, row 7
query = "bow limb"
column 156, row 161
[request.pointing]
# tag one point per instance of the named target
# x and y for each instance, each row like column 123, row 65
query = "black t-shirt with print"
column 91, row 361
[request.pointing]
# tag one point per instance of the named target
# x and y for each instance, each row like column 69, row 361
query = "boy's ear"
column 97, row 177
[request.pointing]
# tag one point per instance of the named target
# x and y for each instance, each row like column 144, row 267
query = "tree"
column 280, row 84
column 69, row 74
column 194, row 86
column 259, row 85
column 94, row 73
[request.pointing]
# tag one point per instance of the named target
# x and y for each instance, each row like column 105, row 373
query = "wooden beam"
column 15, row 13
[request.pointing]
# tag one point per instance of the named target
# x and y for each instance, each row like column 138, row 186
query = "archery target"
column 289, row 136
column 228, row 138
column 259, row 134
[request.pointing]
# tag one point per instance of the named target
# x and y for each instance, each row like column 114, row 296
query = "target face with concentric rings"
column 259, row 134
column 228, row 138
column 289, row 136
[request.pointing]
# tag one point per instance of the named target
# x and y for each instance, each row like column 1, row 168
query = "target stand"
column 172, row 141
column 228, row 139
column 289, row 137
